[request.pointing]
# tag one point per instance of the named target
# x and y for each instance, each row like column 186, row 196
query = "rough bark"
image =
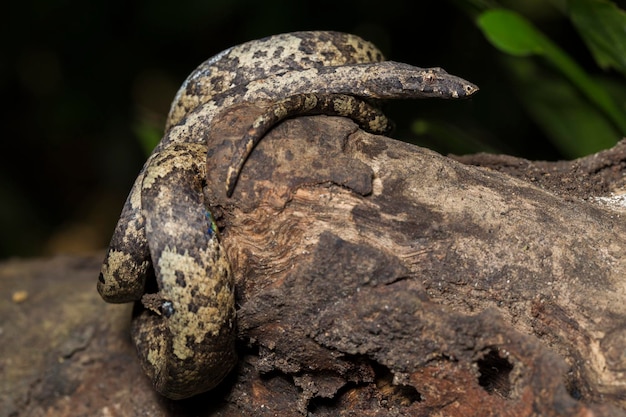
column 373, row 278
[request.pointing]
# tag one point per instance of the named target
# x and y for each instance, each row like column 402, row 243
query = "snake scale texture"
column 184, row 326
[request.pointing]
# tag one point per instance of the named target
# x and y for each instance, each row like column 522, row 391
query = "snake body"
column 184, row 329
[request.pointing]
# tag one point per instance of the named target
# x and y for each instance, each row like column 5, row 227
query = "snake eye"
column 167, row 309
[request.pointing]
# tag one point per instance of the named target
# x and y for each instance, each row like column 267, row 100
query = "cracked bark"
column 373, row 278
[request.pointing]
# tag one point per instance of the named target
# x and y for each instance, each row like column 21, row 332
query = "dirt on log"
column 374, row 278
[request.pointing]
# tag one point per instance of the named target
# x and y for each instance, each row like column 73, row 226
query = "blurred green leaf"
column 574, row 125
column 511, row 33
column 602, row 26
column 148, row 135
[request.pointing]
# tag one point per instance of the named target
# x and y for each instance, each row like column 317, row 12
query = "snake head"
column 436, row 82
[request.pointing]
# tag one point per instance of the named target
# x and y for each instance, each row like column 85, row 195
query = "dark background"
column 83, row 82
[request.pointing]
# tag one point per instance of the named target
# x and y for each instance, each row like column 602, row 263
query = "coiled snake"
column 184, row 330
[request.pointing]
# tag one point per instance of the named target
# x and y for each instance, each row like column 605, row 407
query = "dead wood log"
column 356, row 246
column 374, row 278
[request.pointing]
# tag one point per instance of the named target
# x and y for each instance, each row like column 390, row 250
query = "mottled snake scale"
column 184, row 329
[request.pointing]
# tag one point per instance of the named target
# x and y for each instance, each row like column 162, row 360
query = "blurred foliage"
column 87, row 87
column 574, row 109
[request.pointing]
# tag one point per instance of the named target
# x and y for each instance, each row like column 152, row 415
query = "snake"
column 166, row 253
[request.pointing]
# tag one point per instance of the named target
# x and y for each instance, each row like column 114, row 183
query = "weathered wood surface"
column 374, row 278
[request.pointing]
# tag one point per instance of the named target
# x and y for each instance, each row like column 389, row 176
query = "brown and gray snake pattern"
column 184, row 329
